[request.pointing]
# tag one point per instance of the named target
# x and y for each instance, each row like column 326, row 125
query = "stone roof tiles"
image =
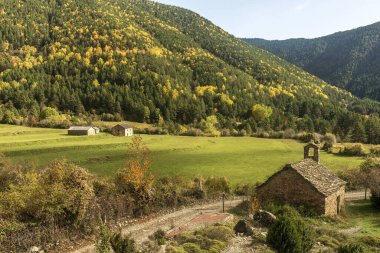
column 318, row 175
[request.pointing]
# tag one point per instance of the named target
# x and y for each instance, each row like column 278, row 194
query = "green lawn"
column 238, row 158
column 363, row 215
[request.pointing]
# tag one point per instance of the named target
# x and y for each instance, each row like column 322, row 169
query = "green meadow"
column 241, row 159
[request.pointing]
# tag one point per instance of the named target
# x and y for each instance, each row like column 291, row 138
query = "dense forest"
column 148, row 62
column 349, row 60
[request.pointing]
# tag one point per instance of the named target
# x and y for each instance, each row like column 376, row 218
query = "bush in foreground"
column 351, row 248
column 160, row 237
column 290, row 233
column 211, row 239
column 122, row 244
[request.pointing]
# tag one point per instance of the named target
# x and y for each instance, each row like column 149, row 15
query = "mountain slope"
column 350, row 60
column 144, row 61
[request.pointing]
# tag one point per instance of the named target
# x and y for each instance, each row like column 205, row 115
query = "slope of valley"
column 350, row 59
column 148, row 62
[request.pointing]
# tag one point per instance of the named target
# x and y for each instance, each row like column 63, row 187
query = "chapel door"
column 338, row 205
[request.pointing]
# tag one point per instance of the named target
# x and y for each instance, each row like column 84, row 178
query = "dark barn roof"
column 316, row 174
column 125, row 126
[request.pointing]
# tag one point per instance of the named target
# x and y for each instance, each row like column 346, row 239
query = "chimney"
column 311, row 155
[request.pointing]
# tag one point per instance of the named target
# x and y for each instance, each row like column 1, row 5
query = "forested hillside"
column 143, row 61
column 349, row 60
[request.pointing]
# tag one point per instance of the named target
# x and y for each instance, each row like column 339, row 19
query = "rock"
column 264, row 218
column 243, row 227
column 35, row 249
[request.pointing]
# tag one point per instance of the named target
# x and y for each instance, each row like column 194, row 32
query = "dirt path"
column 240, row 245
column 181, row 220
column 190, row 218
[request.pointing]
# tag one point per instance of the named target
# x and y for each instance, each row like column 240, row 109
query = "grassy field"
column 360, row 224
column 240, row 159
column 364, row 216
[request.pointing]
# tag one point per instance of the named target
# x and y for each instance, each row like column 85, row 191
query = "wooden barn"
column 305, row 183
column 122, row 130
column 82, row 130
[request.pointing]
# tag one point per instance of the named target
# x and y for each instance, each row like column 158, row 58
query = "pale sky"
column 283, row 19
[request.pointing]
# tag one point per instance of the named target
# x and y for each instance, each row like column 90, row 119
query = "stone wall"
column 288, row 186
column 331, row 202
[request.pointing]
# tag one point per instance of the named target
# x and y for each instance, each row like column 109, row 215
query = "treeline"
column 147, row 62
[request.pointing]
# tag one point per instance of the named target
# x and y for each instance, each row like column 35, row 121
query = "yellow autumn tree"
column 261, row 112
column 135, row 181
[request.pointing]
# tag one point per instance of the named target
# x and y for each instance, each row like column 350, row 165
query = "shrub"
column 49, row 112
column 352, row 177
column 220, row 233
column 217, row 247
column 375, row 151
column 372, row 241
column 225, row 132
column 328, row 241
column 304, row 137
column 216, row 185
column 9, row 173
column 242, row 133
column 355, row 150
column 122, row 244
column 176, row 250
column 261, row 112
column 290, row 233
column 196, row 192
column 351, row 248
column 209, row 239
column 160, row 237
column 261, row 133
column 329, row 140
column 242, row 190
column 234, row 132
column 193, row 132
column 191, row 248
column 284, row 237
column 289, row 134
column 180, row 129
column 9, row 117
column 103, row 243
column 62, row 194
column 277, row 134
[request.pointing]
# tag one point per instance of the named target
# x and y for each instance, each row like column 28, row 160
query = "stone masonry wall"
column 289, row 187
column 331, row 202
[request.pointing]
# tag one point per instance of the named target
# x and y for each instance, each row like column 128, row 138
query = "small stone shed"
column 122, row 130
column 81, row 130
column 305, row 183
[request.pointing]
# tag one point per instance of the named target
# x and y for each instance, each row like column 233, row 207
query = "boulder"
column 35, row 249
column 264, row 218
column 243, row 227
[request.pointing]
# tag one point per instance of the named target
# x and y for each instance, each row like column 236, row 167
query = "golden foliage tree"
column 135, row 181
